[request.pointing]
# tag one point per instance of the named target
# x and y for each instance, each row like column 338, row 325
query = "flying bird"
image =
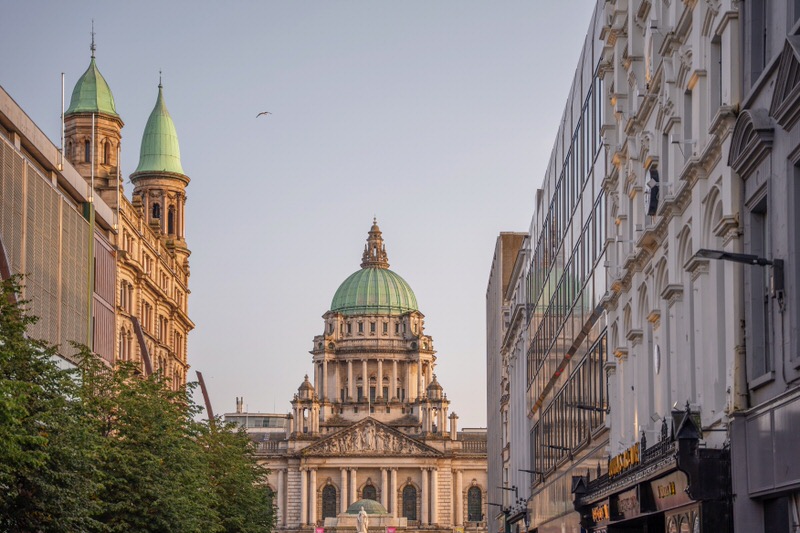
column 263, row 113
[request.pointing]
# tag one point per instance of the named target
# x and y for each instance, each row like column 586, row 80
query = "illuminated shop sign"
column 601, row 513
column 624, row 461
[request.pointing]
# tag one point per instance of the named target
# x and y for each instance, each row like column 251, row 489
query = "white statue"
column 362, row 522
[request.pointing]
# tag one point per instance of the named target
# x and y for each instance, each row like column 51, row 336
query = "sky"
column 437, row 118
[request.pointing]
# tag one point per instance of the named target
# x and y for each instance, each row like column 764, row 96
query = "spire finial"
column 374, row 252
column 92, row 47
column 159, row 80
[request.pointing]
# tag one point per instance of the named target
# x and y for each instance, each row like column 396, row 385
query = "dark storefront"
column 673, row 486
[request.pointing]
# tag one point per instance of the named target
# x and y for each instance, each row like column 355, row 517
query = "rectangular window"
column 361, row 327
column 759, row 333
column 360, row 393
column 385, row 328
column 372, row 327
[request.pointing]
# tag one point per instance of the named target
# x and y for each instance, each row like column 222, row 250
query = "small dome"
column 370, row 506
column 306, row 385
column 92, row 94
column 160, row 151
column 434, row 385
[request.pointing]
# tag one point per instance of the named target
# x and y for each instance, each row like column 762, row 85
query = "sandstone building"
column 372, row 421
column 100, row 269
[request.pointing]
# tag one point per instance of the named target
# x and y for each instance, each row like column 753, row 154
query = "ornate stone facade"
column 372, row 425
column 151, row 322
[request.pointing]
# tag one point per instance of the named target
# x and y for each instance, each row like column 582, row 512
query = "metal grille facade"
column 47, row 240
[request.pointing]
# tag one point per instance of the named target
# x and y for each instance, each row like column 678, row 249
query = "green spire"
column 92, row 94
column 160, row 151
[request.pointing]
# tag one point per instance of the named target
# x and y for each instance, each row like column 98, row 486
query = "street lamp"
column 776, row 280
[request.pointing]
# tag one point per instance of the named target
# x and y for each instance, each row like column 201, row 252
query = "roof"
column 92, row 94
column 374, row 291
column 160, row 151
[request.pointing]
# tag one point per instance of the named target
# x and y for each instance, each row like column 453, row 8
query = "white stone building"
column 373, row 422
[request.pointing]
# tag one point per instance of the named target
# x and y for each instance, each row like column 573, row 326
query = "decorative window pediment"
column 751, row 142
column 785, row 106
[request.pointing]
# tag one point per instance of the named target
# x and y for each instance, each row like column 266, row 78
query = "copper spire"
column 374, row 251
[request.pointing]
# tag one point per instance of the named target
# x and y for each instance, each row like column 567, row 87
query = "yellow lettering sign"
column 622, row 462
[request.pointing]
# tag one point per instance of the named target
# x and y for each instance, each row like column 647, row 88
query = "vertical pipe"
column 61, row 162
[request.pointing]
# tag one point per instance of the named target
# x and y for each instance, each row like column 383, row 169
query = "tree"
column 47, row 473
column 243, row 500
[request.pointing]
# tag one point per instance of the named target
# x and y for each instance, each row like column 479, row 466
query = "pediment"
column 785, row 106
column 751, row 141
column 369, row 437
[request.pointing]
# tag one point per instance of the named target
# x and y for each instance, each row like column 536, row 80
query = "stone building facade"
column 765, row 156
column 373, row 422
column 150, row 301
column 101, row 270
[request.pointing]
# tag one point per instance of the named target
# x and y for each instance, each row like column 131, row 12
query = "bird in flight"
column 263, row 113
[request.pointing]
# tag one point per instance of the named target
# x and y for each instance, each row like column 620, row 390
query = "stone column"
column 458, row 496
column 435, row 496
column 350, row 381
column 393, row 493
column 303, row 497
column 325, row 381
column 343, row 491
column 379, row 381
column 338, row 383
column 410, row 397
column 424, row 519
column 353, row 485
column 364, row 378
column 281, row 497
column 312, row 508
column 384, row 489
column 393, row 389
column 420, row 387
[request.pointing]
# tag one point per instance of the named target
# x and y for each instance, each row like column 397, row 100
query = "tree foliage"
column 110, row 450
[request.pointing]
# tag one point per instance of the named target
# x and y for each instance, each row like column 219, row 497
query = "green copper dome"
column 160, row 151
column 370, row 507
column 92, row 94
column 374, row 290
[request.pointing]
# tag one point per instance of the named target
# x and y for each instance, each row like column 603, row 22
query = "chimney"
column 239, row 404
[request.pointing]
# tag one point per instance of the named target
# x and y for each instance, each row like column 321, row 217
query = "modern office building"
column 372, row 425
column 555, row 328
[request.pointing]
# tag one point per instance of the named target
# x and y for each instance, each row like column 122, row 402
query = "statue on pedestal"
column 362, row 522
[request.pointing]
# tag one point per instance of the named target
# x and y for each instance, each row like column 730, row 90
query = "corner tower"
column 159, row 181
column 92, row 115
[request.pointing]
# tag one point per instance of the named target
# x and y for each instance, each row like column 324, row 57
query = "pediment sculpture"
column 369, row 438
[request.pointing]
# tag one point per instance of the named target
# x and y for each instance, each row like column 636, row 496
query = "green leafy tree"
column 243, row 500
column 47, row 472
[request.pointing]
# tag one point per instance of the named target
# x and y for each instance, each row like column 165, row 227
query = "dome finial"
column 92, row 46
column 159, row 80
column 375, row 252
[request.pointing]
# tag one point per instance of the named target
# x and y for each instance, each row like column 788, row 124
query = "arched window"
column 410, row 502
column 474, row 505
column 328, row 502
column 171, row 220
column 106, row 153
column 87, row 151
column 156, row 210
column 369, row 492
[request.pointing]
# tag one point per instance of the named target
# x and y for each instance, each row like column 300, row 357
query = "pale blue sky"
column 436, row 116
